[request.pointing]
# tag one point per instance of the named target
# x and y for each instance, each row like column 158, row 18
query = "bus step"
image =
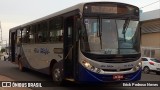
column 70, row 79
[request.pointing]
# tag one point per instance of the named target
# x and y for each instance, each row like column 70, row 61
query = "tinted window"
column 28, row 34
column 25, row 35
column 155, row 60
column 19, row 36
column 144, row 59
column 55, row 30
column 42, row 32
column 32, row 34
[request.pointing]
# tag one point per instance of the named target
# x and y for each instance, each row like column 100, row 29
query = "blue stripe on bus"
column 88, row 76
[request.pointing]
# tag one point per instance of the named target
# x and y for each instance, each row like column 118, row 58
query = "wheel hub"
column 57, row 74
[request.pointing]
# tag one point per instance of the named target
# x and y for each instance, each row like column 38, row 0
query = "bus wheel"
column 158, row 72
column 20, row 65
column 57, row 74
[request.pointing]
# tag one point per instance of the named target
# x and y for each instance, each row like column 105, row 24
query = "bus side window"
column 19, row 37
column 55, row 30
column 52, row 36
column 32, row 34
column 60, row 35
column 42, row 32
column 24, row 35
column 40, row 37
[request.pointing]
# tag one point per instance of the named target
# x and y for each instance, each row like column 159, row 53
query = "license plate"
column 118, row 77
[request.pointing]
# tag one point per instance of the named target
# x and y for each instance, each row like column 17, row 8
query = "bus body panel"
column 86, row 76
column 111, row 66
column 106, row 75
column 39, row 56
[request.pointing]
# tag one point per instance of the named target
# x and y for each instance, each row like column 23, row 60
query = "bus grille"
column 117, row 60
column 115, row 70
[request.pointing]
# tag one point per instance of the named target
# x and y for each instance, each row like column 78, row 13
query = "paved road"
column 11, row 70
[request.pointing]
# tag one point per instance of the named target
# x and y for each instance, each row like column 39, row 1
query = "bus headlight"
column 90, row 67
column 86, row 64
column 138, row 66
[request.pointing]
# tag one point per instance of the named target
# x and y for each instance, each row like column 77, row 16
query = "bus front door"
column 69, row 58
column 12, row 52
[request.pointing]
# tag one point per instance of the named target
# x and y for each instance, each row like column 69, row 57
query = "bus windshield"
column 110, row 36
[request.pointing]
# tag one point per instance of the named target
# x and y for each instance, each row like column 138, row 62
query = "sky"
column 17, row 12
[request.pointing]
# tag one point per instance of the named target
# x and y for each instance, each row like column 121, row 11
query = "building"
column 150, row 28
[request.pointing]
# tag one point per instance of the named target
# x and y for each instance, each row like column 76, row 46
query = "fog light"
column 92, row 68
column 98, row 70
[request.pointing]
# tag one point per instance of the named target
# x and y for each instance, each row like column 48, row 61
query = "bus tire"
column 57, row 74
column 158, row 72
column 20, row 65
column 4, row 58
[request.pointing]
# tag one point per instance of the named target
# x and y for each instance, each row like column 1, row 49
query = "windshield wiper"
column 99, row 34
column 125, row 26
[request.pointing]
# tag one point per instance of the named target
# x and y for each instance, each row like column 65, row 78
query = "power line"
column 150, row 4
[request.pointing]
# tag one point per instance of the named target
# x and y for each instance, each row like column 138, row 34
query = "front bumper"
column 86, row 76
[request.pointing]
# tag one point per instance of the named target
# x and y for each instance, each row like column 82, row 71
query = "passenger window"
column 19, row 36
column 55, row 30
column 42, row 32
column 25, row 35
column 32, row 34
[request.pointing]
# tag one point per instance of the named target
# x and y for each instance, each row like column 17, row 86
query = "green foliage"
column 3, row 50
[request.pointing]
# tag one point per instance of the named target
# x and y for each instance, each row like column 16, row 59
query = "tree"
column 3, row 50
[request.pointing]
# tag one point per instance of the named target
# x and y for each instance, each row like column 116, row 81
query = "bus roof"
column 78, row 6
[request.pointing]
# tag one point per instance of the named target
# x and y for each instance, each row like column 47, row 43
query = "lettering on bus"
column 108, row 66
column 44, row 51
column 128, row 65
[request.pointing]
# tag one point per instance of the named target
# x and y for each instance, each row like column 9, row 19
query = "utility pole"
column 0, row 32
column 1, row 42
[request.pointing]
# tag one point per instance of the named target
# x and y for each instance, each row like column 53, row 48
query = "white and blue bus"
column 89, row 42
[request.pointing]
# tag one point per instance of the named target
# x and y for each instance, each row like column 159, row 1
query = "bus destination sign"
column 104, row 9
